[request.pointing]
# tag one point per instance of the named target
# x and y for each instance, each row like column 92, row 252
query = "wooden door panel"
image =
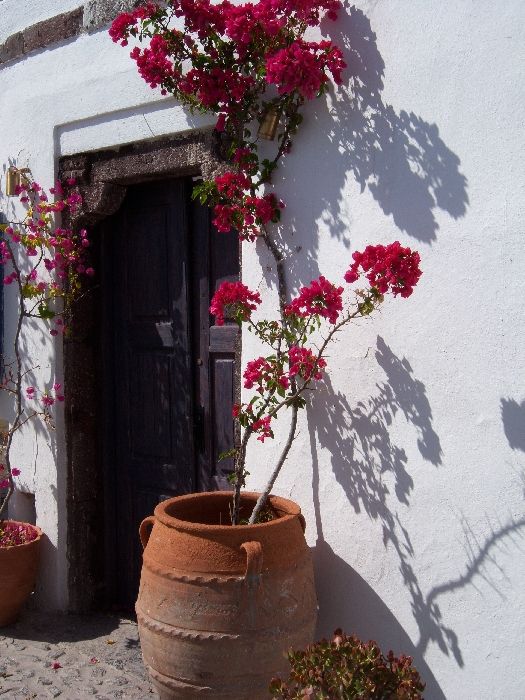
column 147, row 232
column 223, row 382
column 153, row 383
column 172, row 372
column 215, row 260
column 151, row 429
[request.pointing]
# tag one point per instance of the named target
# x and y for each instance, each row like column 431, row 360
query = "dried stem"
column 19, row 410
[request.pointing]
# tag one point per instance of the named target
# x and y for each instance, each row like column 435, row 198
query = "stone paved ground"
column 99, row 657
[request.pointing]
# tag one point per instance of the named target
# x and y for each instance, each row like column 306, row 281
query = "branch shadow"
column 513, row 417
column 369, row 466
column 400, row 158
column 373, row 472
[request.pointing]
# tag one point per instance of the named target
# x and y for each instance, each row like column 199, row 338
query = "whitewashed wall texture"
column 410, row 463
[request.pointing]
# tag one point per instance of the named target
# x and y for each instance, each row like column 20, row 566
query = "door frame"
column 102, row 179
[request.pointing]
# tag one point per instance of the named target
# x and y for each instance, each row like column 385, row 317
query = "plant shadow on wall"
column 366, row 462
column 399, row 157
column 513, row 417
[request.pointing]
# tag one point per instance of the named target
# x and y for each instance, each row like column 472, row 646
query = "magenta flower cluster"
column 4, row 480
column 390, row 268
column 222, row 61
column 59, row 250
column 235, row 300
column 13, row 534
column 46, row 262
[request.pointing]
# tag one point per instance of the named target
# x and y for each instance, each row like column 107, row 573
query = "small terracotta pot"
column 219, row 606
column 18, row 569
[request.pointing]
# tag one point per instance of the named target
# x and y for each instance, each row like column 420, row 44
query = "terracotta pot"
column 220, row 606
column 18, row 569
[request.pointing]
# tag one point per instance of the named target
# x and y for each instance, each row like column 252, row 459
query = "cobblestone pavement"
column 72, row 657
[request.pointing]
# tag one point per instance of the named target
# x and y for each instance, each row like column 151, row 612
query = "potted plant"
column 228, row 576
column 346, row 668
column 45, row 263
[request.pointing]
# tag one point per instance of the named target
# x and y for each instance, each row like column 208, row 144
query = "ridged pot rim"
column 292, row 510
column 23, row 544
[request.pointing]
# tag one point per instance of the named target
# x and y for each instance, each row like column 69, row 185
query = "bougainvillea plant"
column 348, row 669
column 251, row 64
column 45, row 262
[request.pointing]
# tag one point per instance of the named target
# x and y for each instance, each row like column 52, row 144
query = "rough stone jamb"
column 103, row 178
column 90, row 17
column 98, row 13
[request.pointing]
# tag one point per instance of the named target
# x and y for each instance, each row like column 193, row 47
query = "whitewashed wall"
column 410, row 464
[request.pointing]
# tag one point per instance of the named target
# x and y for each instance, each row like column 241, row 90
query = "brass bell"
column 269, row 125
column 13, row 179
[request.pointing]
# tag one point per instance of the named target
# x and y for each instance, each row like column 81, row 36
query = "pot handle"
column 254, row 560
column 146, row 526
column 302, row 521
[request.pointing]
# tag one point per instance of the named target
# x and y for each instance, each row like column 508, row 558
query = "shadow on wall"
column 398, row 156
column 365, row 461
column 513, row 417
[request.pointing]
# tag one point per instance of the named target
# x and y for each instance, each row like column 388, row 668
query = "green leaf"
column 228, row 453
column 45, row 312
column 366, row 307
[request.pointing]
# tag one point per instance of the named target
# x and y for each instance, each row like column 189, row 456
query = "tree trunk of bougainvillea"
column 220, row 606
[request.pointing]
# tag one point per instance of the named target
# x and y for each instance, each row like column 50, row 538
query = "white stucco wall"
column 410, row 464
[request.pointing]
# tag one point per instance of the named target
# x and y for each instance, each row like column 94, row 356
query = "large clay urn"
column 18, row 570
column 219, row 606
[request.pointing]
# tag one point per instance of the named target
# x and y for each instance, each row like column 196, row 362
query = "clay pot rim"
column 279, row 503
column 23, row 544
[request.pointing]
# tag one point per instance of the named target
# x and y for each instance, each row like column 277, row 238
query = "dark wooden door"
column 170, row 377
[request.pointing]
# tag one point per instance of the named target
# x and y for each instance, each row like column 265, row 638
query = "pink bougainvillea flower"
column 119, row 30
column 264, row 374
column 234, row 299
column 262, row 426
column 321, row 298
column 232, row 185
column 302, row 66
column 309, row 10
column 389, row 268
column 15, row 471
column 304, row 363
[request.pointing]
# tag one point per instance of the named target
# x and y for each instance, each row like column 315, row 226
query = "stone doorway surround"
column 102, row 179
